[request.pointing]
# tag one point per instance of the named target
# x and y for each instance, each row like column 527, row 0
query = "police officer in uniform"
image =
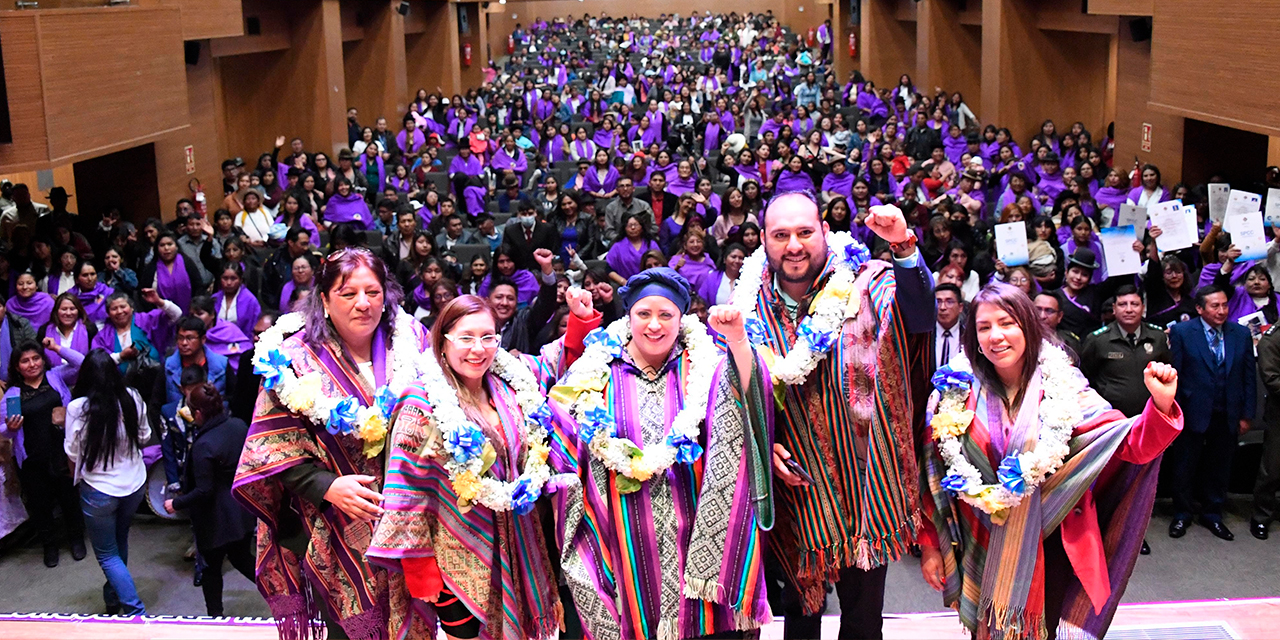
column 1113, row 357
column 1266, row 507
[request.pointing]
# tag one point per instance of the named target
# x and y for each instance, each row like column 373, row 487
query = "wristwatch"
column 906, row 245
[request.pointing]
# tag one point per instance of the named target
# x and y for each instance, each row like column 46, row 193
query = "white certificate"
column 1117, row 249
column 1239, row 202
column 1218, row 195
column 1177, row 225
column 1247, row 235
column 1011, row 244
column 1131, row 215
column 1272, row 216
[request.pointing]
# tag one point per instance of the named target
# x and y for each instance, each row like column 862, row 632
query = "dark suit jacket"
column 670, row 204
column 1197, row 369
column 545, row 236
column 206, row 490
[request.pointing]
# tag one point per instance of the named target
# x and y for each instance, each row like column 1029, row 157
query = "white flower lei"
column 829, row 311
column 304, row 395
column 468, row 477
column 621, row 455
column 1019, row 474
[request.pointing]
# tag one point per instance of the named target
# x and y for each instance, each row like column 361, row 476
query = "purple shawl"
column 286, row 292
column 418, row 140
column 95, row 302
column 52, row 281
column 702, row 275
column 1242, row 305
column 679, row 186
column 152, row 324
column 35, row 309
column 172, row 282
column 606, row 139
column 226, row 339
column 624, row 258
column 247, row 308
column 1135, row 195
column 954, row 147
column 841, row 184
column 553, row 149
column 585, row 149
column 466, row 166
column 596, row 185
column 503, row 161
column 713, row 136
column 79, row 341
column 351, row 209
column 382, row 171
column 473, row 200
column 1111, row 197
column 793, row 181
column 526, row 286
column 305, row 222
column 647, row 136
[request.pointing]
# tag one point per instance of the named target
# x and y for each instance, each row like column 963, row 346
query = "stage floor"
column 1247, row 619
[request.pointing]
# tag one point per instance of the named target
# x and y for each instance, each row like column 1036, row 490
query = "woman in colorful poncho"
column 667, row 540
column 313, row 460
column 1019, row 554
column 468, row 462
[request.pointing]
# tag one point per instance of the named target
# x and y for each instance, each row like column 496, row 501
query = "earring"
column 326, row 313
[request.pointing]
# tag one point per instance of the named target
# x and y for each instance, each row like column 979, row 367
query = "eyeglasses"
column 469, row 342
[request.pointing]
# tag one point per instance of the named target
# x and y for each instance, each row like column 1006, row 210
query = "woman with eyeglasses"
column 468, row 462
column 313, row 461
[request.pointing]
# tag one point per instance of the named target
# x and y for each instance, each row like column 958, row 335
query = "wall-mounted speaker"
column 403, row 9
column 1140, row 29
column 191, row 52
column 252, row 26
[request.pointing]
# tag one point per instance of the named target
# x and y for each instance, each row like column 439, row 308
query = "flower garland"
column 599, row 427
column 339, row 415
column 1019, row 473
column 470, row 454
column 818, row 332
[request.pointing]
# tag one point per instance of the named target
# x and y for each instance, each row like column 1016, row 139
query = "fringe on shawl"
column 297, row 616
column 1009, row 623
column 818, row 566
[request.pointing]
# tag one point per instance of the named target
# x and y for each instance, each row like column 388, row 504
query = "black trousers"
column 44, row 490
column 1265, row 506
column 861, row 595
column 1203, row 461
column 241, row 555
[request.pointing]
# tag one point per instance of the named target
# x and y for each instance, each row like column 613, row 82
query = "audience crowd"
column 615, row 145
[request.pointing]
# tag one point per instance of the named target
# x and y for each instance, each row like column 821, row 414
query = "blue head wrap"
column 658, row 281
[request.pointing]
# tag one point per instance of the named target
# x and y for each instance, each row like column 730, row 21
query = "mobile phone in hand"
column 798, row 470
column 13, row 406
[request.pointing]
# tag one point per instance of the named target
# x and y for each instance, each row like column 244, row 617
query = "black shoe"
column 51, row 555
column 113, row 609
column 1258, row 529
column 197, row 579
column 1178, row 528
column 78, row 552
column 915, row 550
column 1146, row 548
column 1219, row 529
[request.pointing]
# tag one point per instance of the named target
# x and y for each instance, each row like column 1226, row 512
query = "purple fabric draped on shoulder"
column 36, row 309
column 351, row 209
column 286, row 292
column 79, row 341
column 172, row 282
column 226, row 339
column 305, row 222
column 841, row 184
column 679, row 186
column 527, row 286
column 793, row 181
column 596, row 185
column 95, row 302
column 624, row 258
column 247, row 308
column 702, row 275
column 503, row 161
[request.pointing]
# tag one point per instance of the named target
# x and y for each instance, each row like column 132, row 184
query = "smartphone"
column 13, row 406
column 798, row 470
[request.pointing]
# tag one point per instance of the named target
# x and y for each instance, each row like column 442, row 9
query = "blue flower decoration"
column 271, row 368
column 541, row 416
column 687, row 449
column 947, row 378
column 1010, row 475
column 523, row 497
column 819, row 341
column 465, row 442
column 342, row 418
column 593, row 422
column 611, row 342
column 386, row 401
column 757, row 333
column 954, row 483
column 856, row 254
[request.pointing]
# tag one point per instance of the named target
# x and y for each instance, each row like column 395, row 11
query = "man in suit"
column 1265, row 506
column 453, row 234
column 946, row 331
column 662, row 204
column 399, row 244
column 1215, row 361
column 526, row 233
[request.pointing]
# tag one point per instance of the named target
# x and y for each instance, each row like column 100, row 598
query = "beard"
column 816, row 262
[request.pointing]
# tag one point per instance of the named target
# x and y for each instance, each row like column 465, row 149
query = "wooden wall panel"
column 887, row 44
column 432, row 58
column 1216, row 61
column 273, row 20
column 1133, row 90
column 204, row 134
column 948, row 52
column 203, row 19
column 1122, row 7
column 124, row 67
column 374, row 66
column 472, row 75
column 23, row 78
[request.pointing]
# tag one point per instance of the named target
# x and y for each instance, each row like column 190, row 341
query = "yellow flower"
column 370, row 425
column 538, row 452
column 638, row 469
column 951, row 423
column 988, row 502
column 467, row 486
column 301, row 396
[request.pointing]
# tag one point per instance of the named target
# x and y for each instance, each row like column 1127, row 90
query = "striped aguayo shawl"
column 496, row 563
column 616, row 560
column 861, row 514
column 332, row 572
column 995, row 573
